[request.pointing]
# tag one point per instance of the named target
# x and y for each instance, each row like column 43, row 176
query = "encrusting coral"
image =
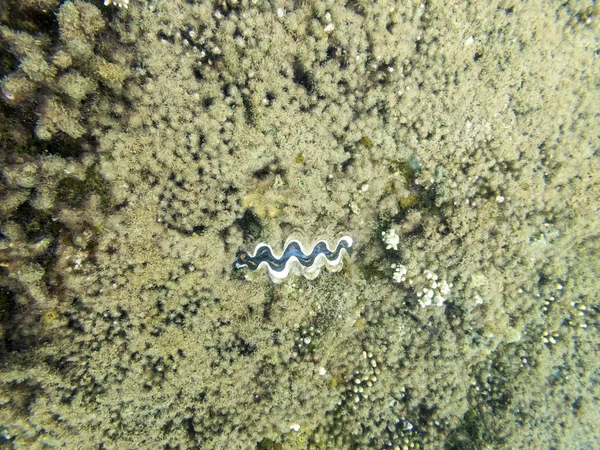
column 141, row 148
column 61, row 77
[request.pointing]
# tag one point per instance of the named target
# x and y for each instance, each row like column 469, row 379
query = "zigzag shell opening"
column 309, row 242
column 281, row 266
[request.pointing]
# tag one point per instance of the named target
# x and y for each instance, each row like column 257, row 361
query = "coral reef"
column 142, row 147
column 62, row 73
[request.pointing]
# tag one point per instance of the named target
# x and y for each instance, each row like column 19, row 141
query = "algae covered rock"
column 144, row 150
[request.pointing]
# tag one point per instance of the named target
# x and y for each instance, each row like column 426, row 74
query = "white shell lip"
column 293, row 266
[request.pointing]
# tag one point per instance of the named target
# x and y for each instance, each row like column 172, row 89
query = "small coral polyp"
column 119, row 3
column 294, row 260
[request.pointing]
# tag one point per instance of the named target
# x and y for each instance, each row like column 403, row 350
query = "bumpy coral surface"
column 141, row 148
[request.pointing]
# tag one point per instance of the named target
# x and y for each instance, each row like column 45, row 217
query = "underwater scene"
column 299, row 224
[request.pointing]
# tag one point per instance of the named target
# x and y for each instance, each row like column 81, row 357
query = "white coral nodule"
column 400, row 272
column 391, row 239
column 119, row 3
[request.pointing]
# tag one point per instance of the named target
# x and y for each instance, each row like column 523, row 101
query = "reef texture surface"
column 141, row 148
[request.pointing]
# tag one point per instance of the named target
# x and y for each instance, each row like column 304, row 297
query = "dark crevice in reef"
column 273, row 168
column 302, row 77
column 250, row 225
column 18, row 326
